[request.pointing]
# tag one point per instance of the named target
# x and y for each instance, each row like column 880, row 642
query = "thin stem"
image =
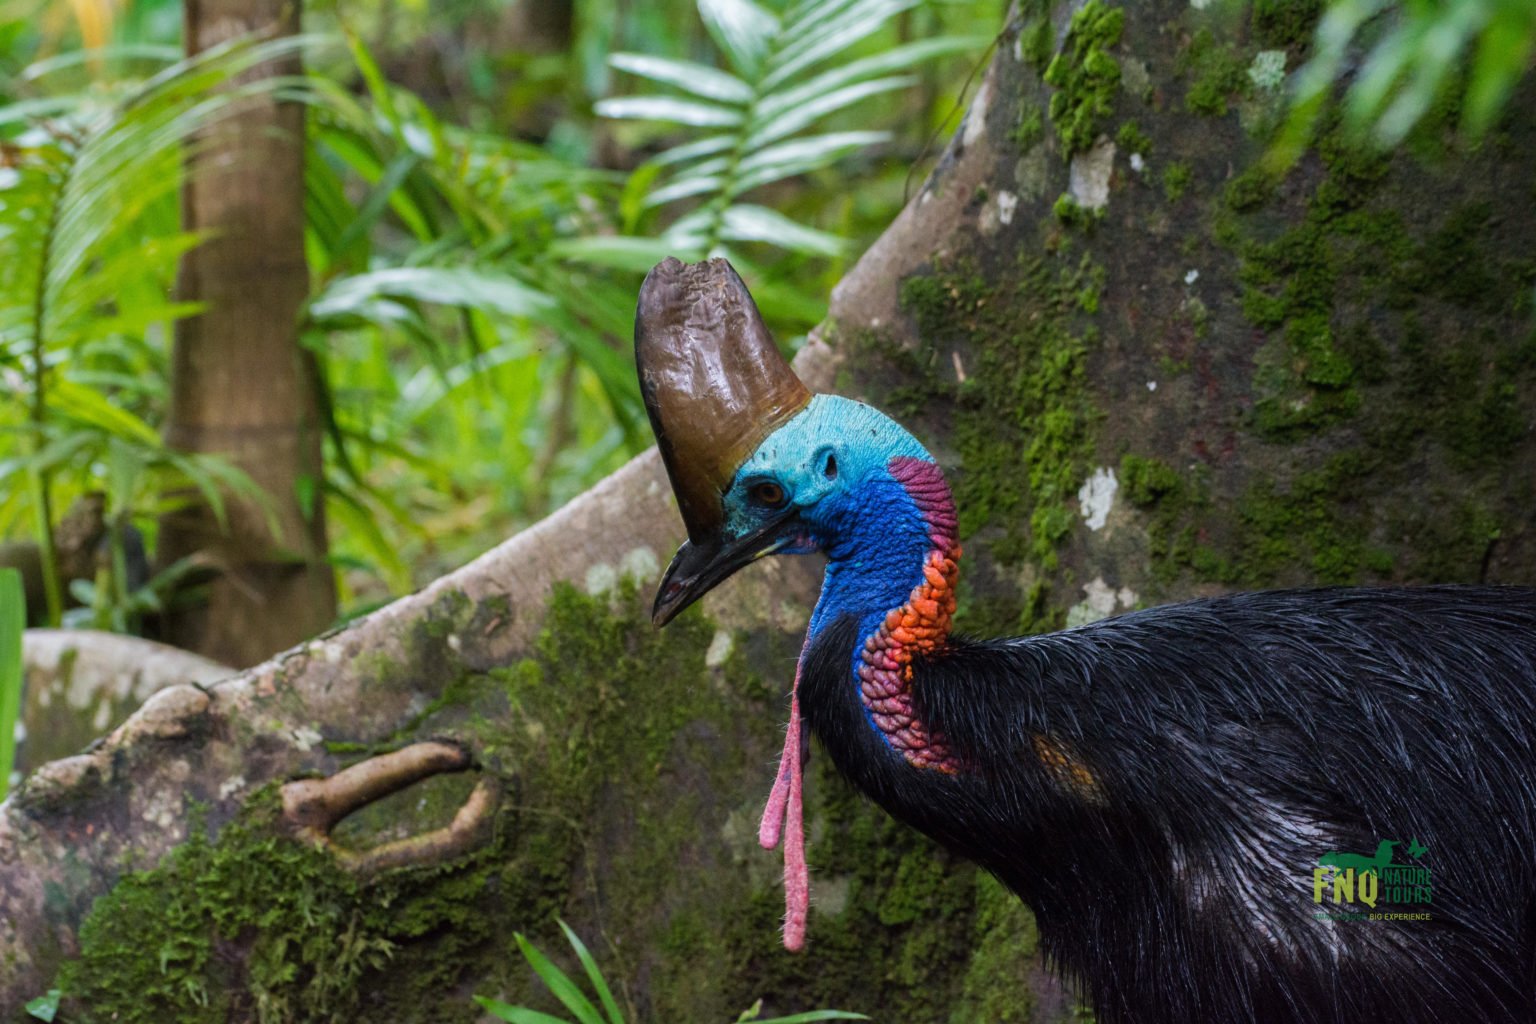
column 38, row 477
column 556, row 438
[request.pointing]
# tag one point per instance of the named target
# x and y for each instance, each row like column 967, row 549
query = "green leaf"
column 749, row 223
column 559, row 982
column 800, row 156
column 742, row 29
column 861, row 20
column 1381, row 72
column 796, row 118
column 900, row 58
column 377, row 200
column 1314, row 80
column 151, row 52
column 1503, row 55
column 45, row 1007
column 90, row 406
column 594, row 975
column 449, row 286
column 702, row 80
column 13, row 619
column 516, row 1014
column 668, row 108
column 684, row 187
column 1435, row 53
column 689, row 150
column 621, row 252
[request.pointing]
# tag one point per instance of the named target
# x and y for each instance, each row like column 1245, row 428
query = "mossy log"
column 1153, row 371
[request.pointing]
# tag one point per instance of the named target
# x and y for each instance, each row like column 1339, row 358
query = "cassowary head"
column 759, row 464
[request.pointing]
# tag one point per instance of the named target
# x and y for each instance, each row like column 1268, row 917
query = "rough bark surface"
column 241, row 386
column 1151, row 371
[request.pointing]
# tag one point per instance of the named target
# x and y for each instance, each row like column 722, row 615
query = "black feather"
column 1215, row 750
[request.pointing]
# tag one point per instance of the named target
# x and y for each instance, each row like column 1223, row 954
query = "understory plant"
column 472, row 293
column 583, row 1010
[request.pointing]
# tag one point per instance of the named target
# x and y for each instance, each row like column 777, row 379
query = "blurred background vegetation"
column 485, row 184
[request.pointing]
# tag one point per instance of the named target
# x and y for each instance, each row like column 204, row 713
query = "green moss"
column 906, row 920
column 1293, row 285
column 1217, row 73
column 1037, row 39
column 996, row 987
column 1145, row 482
column 1132, row 139
column 275, row 930
column 1026, row 396
column 1086, row 77
column 1030, row 129
column 249, row 926
column 1285, row 23
column 1169, row 502
column 1176, row 179
column 1251, row 189
column 1311, row 522
column 1071, row 215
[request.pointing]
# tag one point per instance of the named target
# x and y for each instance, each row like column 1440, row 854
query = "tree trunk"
column 242, row 387
column 1182, row 377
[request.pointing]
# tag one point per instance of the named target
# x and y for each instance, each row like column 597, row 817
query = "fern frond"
column 89, row 227
column 789, row 72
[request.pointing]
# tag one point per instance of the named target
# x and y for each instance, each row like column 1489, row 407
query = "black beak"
column 697, row 569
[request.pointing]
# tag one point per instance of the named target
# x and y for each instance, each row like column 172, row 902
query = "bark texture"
column 1151, row 370
column 79, row 683
column 241, row 385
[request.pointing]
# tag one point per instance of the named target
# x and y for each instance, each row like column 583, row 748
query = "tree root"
column 313, row 807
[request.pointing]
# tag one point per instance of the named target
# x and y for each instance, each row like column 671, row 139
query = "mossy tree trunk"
column 1152, row 371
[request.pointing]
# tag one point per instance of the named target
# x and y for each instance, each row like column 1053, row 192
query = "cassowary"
column 1162, row 788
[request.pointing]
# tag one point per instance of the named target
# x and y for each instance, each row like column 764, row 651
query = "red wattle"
column 784, row 817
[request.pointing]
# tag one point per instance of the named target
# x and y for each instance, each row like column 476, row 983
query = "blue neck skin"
column 876, row 548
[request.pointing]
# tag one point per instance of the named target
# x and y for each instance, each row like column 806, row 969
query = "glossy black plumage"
column 1224, row 745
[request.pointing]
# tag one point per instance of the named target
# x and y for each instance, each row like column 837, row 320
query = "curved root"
column 313, row 807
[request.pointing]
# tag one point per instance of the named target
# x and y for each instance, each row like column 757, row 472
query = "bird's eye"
column 768, row 493
column 831, row 467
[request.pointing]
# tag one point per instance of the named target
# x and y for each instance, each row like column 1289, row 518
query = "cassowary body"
column 1160, row 787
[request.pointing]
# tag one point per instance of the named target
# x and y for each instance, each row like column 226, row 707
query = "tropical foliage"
column 1466, row 56
column 472, row 291
column 474, row 257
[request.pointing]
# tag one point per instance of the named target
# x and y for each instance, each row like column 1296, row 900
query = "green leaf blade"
column 559, row 983
column 669, row 109
column 594, row 975
column 701, row 80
